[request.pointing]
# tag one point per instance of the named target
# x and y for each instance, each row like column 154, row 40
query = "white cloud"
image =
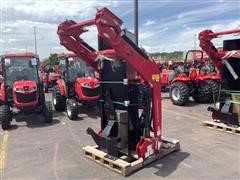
column 7, row 30
column 145, row 35
column 23, row 38
column 178, row 29
column 12, row 40
column 149, row 23
column 57, row 48
column 55, row 8
column 185, row 39
column 180, row 16
column 19, row 49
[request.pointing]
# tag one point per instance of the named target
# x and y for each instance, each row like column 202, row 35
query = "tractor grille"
column 26, row 98
column 90, row 92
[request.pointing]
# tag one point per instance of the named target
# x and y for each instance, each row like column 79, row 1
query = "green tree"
column 168, row 56
column 51, row 60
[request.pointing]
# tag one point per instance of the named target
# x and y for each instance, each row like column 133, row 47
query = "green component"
column 230, row 91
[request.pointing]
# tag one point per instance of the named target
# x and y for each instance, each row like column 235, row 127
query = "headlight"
column 97, row 85
column 18, row 90
column 90, row 85
column 85, row 85
column 32, row 89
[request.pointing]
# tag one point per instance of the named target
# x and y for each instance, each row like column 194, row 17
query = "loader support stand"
column 139, row 108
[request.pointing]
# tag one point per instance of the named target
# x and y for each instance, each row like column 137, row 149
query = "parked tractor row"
column 127, row 89
column 22, row 86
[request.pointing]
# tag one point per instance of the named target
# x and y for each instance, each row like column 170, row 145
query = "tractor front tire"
column 72, row 109
column 203, row 94
column 179, row 93
column 5, row 117
column 48, row 113
column 214, row 89
column 59, row 101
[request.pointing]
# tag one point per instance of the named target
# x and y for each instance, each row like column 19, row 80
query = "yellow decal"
column 156, row 77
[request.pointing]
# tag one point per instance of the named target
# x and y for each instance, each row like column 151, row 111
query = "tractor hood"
column 88, row 82
column 24, row 86
column 87, row 88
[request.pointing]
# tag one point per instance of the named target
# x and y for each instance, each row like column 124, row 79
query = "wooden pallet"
column 124, row 165
column 222, row 127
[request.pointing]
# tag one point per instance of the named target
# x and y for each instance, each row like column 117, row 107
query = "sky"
column 164, row 25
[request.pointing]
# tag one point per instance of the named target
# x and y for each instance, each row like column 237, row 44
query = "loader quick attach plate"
column 125, row 165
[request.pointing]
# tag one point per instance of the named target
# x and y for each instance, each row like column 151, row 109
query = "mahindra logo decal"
column 26, row 88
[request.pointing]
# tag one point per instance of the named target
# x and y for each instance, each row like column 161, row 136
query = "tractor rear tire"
column 5, row 117
column 59, row 101
column 179, row 93
column 214, row 88
column 72, row 109
column 48, row 112
column 203, row 94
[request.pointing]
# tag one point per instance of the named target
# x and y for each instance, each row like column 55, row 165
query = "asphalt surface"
column 34, row 150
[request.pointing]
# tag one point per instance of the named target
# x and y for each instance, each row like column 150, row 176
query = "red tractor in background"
column 168, row 73
column 49, row 77
column 22, row 90
column 78, row 85
column 190, row 82
column 227, row 62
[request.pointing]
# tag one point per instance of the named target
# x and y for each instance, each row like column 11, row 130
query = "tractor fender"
column 202, row 78
column 181, row 79
column 215, row 77
column 62, row 87
column 2, row 93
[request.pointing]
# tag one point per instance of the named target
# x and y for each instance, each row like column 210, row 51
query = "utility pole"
column 35, row 39
column 136, row 20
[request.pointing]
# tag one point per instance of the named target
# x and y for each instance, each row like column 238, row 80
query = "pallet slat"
column 120, row 165
column 222, row 127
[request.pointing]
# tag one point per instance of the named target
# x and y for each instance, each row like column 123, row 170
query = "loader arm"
column 216, row 55
column 110, row 32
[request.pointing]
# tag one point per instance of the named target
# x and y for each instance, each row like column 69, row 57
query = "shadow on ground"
column 168, row 164
column 33, row 121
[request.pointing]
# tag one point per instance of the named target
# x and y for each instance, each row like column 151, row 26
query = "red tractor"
column 227, row 62
column 49, row 77
column 78, row 86
column 168, row 73
column 22, row 90
column 190, row 82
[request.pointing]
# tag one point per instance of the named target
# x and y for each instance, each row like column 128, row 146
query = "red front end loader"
column 22, row 90
column 131, row 110
column 227, row 61
column 76, row 88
